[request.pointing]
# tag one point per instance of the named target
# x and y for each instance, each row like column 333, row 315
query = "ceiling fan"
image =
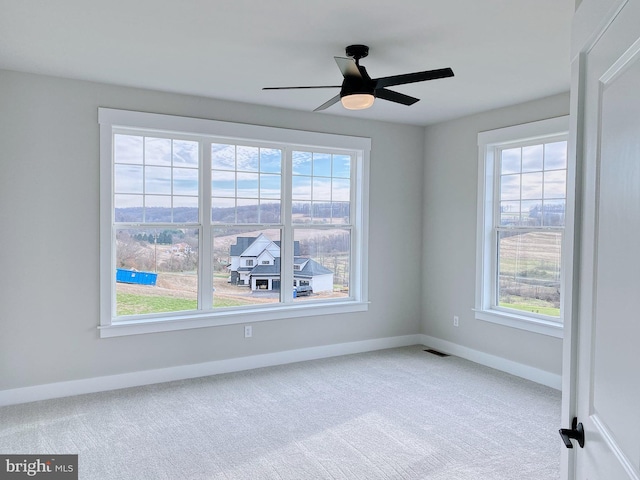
column 358, row 90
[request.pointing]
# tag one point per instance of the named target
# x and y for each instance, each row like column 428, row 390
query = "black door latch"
column 576, row 432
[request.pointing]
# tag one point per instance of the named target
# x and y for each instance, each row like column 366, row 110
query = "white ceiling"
column 503, row 52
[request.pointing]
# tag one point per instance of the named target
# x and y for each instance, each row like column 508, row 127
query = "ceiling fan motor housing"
column 357, row 51
column 352, row 85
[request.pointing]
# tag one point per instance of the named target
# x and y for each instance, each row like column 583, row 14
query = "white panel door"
column 608, row 319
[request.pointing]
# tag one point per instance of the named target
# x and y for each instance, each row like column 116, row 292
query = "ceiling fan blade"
column 413, row 77
column 395, row 96
column 293, row 88
column 348, row 67
column 327, row 104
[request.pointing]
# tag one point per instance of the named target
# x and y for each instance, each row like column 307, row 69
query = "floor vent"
column 435, row 352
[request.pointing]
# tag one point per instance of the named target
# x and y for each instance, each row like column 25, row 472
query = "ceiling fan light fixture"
column 357, row 101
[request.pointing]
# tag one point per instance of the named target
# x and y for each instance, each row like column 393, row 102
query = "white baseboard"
column 518, row 369
column 147, row 377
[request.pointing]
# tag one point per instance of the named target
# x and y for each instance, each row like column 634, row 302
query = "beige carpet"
column 392, row 414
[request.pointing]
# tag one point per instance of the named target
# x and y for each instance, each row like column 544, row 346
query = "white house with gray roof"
column 255, row 262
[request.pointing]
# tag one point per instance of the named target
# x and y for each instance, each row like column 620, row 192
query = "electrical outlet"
column 248, row 331
column 456, row 321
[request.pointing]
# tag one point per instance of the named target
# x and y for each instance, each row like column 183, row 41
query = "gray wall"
column 450, row 186
column 49, row 245
column 49, row 242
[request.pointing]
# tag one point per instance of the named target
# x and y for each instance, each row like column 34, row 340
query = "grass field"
column 529, row 272
column 531, row 305
column 132, row 304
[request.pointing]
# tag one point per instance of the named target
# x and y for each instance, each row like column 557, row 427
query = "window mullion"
column 205, row 294
column 495, row 224
column 287, row 249
column 357, row 216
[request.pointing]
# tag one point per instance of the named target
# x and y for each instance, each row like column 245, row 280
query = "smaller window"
column 249, row 263
column 522, row 213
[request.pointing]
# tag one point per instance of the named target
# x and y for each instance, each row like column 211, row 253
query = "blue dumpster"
column 132, row 276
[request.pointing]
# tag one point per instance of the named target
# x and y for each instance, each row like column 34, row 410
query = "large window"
column 208, row 223
column 523, row 213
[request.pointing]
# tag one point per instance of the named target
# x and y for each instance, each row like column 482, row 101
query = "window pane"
column 301, row 188
column 532, row 158
column 247, row 158
column 270, row 211
column 223, row 210
column 270, row 186
column 329, row 188
column 246, row 267
column 341, row 190
column 157, row 151
column 555, row 155
column 510, row 161
column 554, row 211
column 247, row 211
column 157, row 180
column 301, row 212
column 321, row 188
column 555, row 184
column 127, row 149
column 531, row 213
column 185, row 209
column 223, row 157
column 301, row 163
column 128, row 179
column 270, row 160
column 223, row 184
column 529, row 271
column 532, row 186
column 321, row 165
column 248, row 185
column 321, row 269
column 340, row 213
column 342, row 166
column 157, row 208
column 128, row 208
column 185, row 153
column 509, row 213
column 321, row 212
column 185, row 181
column 156, row 270
column 510, row 187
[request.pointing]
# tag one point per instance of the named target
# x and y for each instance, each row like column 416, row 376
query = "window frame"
column 113, row 119
column 490, row 144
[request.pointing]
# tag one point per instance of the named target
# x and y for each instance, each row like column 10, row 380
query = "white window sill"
column 522, row 322
column 136, row 326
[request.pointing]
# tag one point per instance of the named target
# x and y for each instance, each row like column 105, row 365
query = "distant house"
column 181, row 248
column 255, row 262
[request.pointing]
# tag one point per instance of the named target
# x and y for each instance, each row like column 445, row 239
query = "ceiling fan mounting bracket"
column 357, row 51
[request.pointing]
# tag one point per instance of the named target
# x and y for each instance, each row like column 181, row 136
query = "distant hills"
column 265, row 213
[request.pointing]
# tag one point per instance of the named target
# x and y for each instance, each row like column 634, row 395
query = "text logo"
column 51, row 467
